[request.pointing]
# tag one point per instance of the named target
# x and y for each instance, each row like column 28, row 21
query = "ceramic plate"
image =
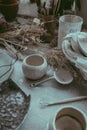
column 71, row 59
column 5, row 60
column 73, row 38
column 82, row 41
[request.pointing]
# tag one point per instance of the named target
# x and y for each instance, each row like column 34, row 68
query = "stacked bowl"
column 74, row 47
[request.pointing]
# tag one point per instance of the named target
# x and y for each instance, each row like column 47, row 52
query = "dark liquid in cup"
column 35, row 60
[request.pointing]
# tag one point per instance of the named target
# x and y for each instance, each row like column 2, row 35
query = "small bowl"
column 34, row 66
column 68, row 118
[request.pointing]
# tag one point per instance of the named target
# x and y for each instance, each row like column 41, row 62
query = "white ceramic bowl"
column 68, row 118
column 34, row 66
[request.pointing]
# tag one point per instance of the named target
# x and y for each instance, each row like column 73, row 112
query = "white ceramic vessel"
column 34, row 66
column 68, row 118
column 82, row 41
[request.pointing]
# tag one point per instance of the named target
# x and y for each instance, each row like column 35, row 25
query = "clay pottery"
column 34, row 66
column 68, row 118
column 8, row 1
column 9, row 11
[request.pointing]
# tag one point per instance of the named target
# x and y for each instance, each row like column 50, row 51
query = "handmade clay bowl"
column 68, row 118
column 34, row 66
column 9, row 11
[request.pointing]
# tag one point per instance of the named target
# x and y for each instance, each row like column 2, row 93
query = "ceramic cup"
column 68, row 118
column 34, row 66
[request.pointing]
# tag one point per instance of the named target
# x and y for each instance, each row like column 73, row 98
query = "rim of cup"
column 30, row 57
column 64, row 111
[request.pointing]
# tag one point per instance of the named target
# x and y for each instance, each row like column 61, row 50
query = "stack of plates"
column 74, row 47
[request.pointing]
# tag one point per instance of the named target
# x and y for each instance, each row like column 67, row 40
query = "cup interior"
column 35, row 60
column 70, row 119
